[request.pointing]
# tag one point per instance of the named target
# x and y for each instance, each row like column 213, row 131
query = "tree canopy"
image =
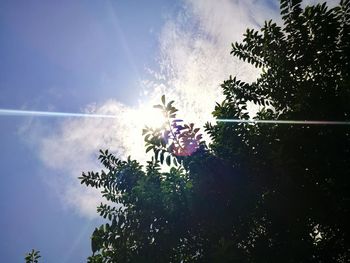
column 257, row 192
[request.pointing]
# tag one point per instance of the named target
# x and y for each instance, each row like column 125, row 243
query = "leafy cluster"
column 150, row 210
column 32, row 257
column 304, row 65
column 257, row 193
column 174, row 138
column 298, row 173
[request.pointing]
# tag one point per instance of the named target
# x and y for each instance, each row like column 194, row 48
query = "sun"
column 151, row 117
column 146, row 115
column 135, row 120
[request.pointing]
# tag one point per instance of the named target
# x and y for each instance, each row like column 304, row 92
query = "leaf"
column 175, row 161
column 149, row 148
column 156, row 153
column 95, row 241
column 169, row 105
column 168, row 160
column 158, row 106
column 189, row 184
column 199, row 137
column 173, row 110
column 162, row 157
column 163, row 99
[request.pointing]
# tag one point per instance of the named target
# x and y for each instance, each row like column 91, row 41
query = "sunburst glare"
column 146, row 115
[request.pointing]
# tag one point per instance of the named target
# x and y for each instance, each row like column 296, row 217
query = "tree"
column 32, row 257
column 257, row 192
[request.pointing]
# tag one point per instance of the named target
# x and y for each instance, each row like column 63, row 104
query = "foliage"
column 257, row 193
column 153, row 215
column 174, row 138
column 299, row 173
column 32, row 257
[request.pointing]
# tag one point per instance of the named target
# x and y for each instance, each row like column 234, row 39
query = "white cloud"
column 331, row 3
column 194, row 59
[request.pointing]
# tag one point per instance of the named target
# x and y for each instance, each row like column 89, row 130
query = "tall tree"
column 258, row 192
column 300, row 172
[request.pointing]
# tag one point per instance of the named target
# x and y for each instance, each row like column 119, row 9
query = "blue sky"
column 62, row 56
column 110, row 57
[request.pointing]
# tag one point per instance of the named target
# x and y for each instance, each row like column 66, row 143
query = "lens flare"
column 144, row 115
column 7, row 112
column 291, row 122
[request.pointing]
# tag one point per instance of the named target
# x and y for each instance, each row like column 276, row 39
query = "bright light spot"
column 137, row 119
column 146, row 115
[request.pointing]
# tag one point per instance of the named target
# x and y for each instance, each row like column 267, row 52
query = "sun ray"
column 149, row 116
column 291, row 122
column 8, row 112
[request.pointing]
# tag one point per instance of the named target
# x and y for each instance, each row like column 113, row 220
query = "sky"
column 104, row 57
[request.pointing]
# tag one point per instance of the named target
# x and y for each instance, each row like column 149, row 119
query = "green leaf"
column 175, row 161
column 149, row 148
column 158, row 106
column 156, row 153
column 168, row 160
column 161, row 157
